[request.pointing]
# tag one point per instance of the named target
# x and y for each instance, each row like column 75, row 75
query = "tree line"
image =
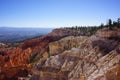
column 90, row 30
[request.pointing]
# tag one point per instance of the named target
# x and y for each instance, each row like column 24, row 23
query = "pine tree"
column 101, row 26
column 110, row 24
column 118, row 22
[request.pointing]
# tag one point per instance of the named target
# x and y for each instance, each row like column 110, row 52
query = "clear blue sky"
column 57, row 13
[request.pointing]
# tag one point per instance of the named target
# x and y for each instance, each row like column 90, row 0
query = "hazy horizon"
column 57, row 13
column 10, row 34
column 27, row 27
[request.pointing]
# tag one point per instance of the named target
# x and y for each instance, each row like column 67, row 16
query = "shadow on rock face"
column 105, row 45
column 20, row 73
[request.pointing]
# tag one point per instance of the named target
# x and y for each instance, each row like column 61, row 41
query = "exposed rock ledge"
column 97, row 58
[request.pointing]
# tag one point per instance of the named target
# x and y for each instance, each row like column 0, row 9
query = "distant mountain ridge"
column 12, row 34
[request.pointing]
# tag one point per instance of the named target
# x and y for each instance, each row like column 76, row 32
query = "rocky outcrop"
column 85, row 66
column 97, row 58
column 13, row 64
column 54, row 57
column 19, row 58
column 109, row 33
column 65, row 44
